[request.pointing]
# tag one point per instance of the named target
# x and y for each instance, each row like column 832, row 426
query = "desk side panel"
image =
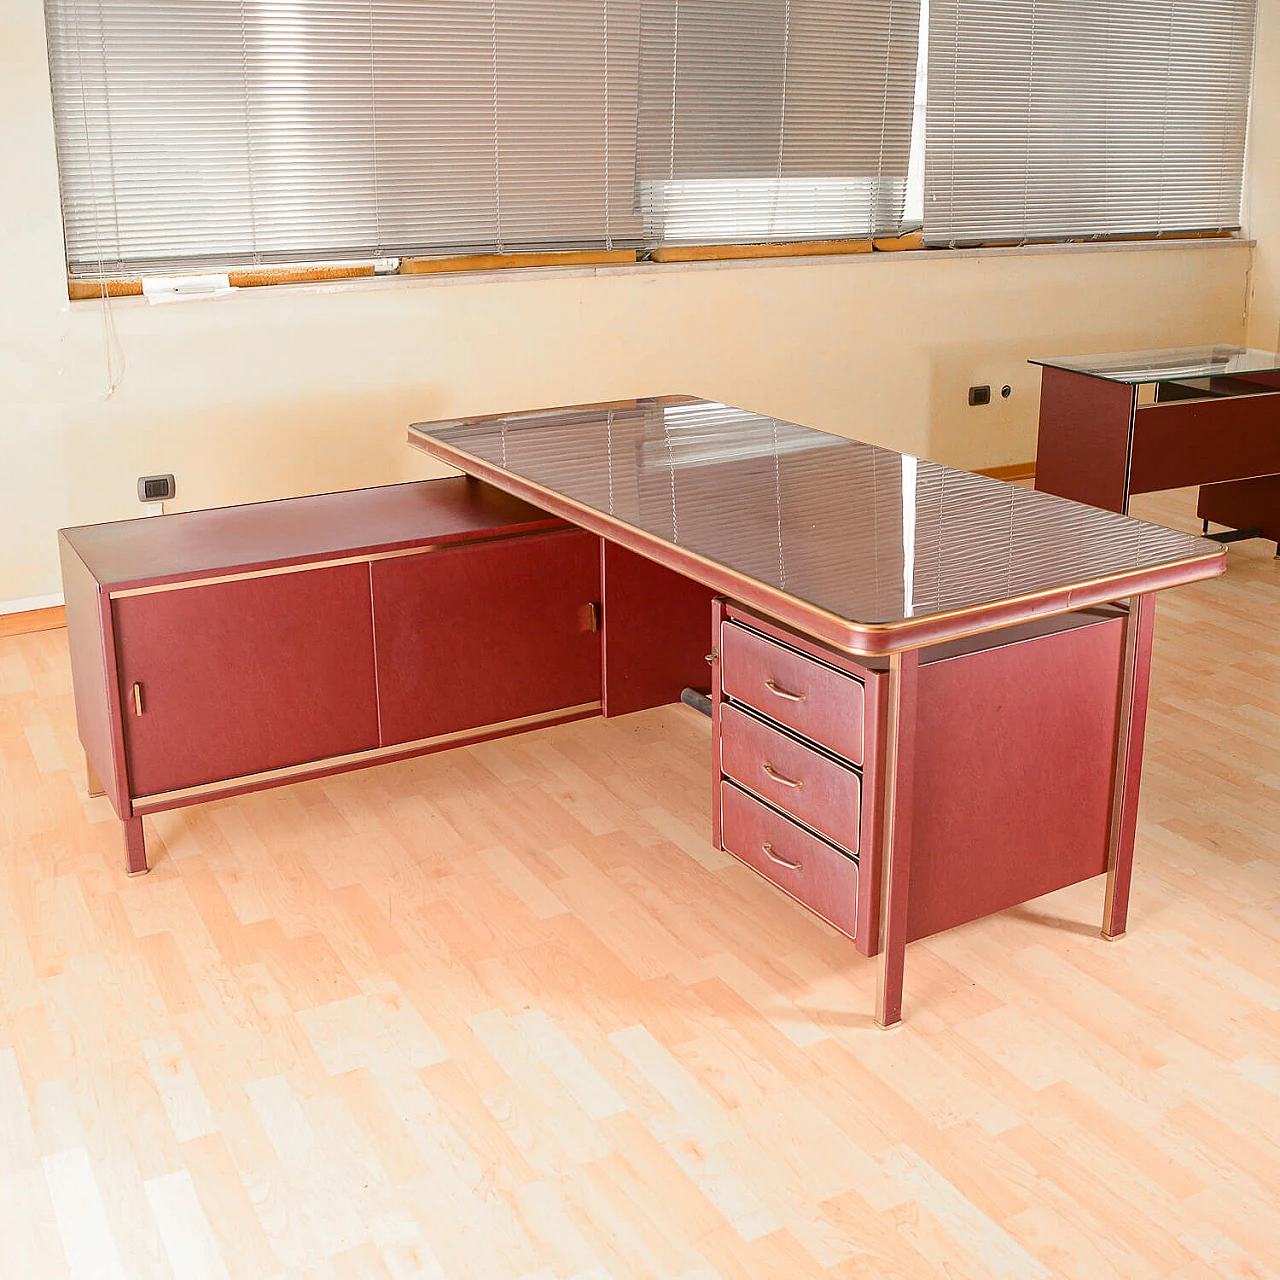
column 655, row 632
column 1083, row 446
column 1015, row 764
column 1186, row 442
column 92, row 652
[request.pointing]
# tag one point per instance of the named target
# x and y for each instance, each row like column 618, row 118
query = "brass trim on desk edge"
column 162, row 799
column 835, row 630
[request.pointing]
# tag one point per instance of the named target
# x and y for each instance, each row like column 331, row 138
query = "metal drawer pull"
column 777, row 777
column 137, row 699
column 782, row 862
column 783, row 693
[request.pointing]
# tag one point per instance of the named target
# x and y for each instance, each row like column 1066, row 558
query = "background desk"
column 1214, row 422
column 927, row 703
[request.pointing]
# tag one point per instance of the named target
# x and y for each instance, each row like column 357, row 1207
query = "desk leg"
column 895, row 868
column 1130, row 731
column 135, row 848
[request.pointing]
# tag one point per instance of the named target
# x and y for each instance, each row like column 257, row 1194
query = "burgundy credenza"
column 217, row 652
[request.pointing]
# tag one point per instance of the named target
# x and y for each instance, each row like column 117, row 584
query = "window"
column 200, row 133
column 770, row 120
column 1076, row 118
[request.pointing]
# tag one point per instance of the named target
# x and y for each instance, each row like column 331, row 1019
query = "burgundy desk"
column 223, row 651
column 1214, row 422
column 929, row 687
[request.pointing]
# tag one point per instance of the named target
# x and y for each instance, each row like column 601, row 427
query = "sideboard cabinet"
column 222, row 651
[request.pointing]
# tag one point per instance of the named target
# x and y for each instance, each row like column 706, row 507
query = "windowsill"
column 798, row 261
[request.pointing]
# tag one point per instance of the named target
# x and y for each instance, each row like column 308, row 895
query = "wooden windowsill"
column 80, row 289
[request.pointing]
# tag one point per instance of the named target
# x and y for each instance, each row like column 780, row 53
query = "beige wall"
column 1262, row 188
column 272, row 392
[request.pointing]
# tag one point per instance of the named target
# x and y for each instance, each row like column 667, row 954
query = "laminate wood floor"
column 503, row 1012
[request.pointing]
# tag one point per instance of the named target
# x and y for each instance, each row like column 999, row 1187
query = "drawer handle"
column 137, row 699
column 783, row 693
column 782, row 862
column 777, row 777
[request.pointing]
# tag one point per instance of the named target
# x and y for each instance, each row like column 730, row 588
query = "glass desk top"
column 876, row 538
column 1171, row 364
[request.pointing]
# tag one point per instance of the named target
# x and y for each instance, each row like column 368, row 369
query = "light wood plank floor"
column 503, row 1013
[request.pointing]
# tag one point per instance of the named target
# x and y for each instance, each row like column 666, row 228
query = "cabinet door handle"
column 782, row 862
column 777, row 777
column 783, row 693
column 137, row 699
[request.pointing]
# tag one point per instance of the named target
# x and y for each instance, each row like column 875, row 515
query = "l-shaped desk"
column 929, row 687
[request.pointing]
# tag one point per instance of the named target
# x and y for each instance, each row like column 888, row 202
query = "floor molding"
column 1015, row 471
column 21, row 624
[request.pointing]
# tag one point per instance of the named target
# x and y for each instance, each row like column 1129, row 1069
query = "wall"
column 272, row 392
column 1262, row 185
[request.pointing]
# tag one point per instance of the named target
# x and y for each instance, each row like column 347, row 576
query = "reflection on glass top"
column 870, row 535
column 1172, row 364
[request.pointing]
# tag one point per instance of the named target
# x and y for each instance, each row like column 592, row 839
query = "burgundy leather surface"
column 242, row 677
column 1188, row 442
column 1014, row 766
column 1082, row 451
column 832, row 710
column 827, row 881
column 479, row 634
column 657, row 627
column 92, row 677
column 828, row 797
column 1243, row 504
column 197, row 544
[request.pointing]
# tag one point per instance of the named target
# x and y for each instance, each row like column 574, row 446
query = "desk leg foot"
column 135, row 848
column 895, row 868
column 93, row 783
column 1130, row 730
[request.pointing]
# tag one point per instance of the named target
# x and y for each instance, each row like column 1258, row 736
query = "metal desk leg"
column 1130, row 731
column 899, row 759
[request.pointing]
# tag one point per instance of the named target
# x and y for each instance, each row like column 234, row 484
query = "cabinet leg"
column 1130, row 731
column 899, row 764
column 93, row 781
column 135, row 848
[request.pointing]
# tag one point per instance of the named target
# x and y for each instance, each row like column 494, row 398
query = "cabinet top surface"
column 1169, row 364
column 875, row 549
column 260, row 535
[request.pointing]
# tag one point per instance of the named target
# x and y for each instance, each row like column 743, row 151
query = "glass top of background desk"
column 871, row 550
column 1169, row 364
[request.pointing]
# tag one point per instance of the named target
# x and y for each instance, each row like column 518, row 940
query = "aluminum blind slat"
column 1084, row 118
column 225, row 132
column 770, row 120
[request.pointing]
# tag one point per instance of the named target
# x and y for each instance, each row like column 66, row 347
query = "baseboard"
column 20, row 624
column 1015, row 471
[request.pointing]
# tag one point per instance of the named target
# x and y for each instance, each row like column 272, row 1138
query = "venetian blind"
column 221, row 132
column 768, row 120
column 1062, row 119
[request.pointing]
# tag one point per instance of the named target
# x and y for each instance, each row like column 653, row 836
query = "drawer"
column 809, row 785
column 805, row 695
column 810, row 870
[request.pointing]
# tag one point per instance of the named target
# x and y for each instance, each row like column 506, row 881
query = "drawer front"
column 814, row 700
column 812, row 872
column 809, row 786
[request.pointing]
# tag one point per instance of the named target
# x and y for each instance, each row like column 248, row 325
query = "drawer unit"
column 814, row 873
column 807, row 783
column 797, row 691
